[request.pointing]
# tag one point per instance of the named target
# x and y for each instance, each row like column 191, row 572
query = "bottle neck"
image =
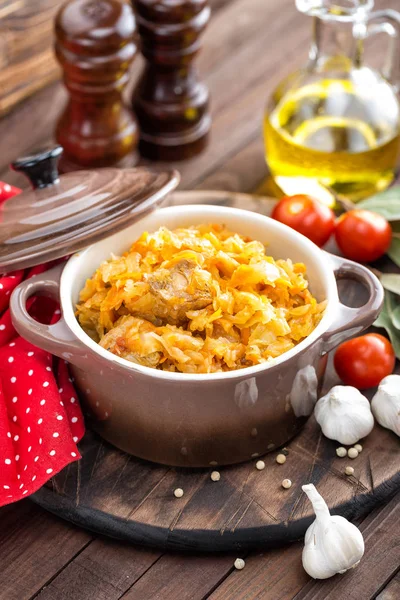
column 335, row 45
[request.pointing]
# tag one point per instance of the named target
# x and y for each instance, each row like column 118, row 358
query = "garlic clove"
column 344, row 415
column 385, row 404
column 332, row 544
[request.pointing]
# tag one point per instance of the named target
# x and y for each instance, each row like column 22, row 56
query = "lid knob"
column 40, row 168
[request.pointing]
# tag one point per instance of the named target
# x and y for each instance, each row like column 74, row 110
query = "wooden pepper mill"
column 170, row 103
column 96, row 41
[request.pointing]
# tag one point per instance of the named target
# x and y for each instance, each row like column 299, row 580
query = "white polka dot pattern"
column 43, row 417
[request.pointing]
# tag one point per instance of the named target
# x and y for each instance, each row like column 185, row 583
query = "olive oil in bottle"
column 343, row 132
column 335, row 122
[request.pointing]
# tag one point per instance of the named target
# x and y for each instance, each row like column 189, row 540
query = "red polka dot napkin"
column 40, row 417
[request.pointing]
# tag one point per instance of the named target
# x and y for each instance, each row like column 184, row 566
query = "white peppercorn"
column 352, row 453
column 239, row 564
column 341, row 452
column 215, row 476
column 178, row 493
column 280, row 459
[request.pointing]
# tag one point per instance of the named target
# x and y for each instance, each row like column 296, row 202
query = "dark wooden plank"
column 33, row 547
column 245, row 171
column 392, row 590
column 269, row 576
column 236, row 27
column 183, row 577
column 279, row 573
column 27, row 61
column 105, row 570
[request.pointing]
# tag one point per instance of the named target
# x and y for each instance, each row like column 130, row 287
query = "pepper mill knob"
column 96, row 41
column 40, row 168
column 170, row 102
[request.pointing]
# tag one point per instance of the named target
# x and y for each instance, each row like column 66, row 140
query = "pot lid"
column 63, row 214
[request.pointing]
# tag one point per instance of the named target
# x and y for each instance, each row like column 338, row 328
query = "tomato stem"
column 344, row 203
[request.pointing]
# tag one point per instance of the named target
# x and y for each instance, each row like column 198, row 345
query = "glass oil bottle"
column 337, row 120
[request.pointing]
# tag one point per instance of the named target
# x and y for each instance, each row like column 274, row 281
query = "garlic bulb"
column 332, row 544
column 344, row 415
column 386, row 403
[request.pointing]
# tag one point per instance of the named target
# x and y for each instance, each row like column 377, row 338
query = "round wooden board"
column 115, row 494
column 118, row 495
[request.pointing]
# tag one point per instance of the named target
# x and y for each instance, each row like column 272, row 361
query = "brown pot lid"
column 63, row 214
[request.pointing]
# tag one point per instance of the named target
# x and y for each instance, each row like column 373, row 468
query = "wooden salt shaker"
column 171, row 104
column 96, row 41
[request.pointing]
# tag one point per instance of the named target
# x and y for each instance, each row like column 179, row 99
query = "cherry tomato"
column 364, row 361
column 307, row 216
column 363, row 235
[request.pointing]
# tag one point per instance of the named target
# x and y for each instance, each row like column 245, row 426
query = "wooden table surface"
column 248, row 47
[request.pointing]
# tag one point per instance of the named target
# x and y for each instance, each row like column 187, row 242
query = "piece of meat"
column 131, row 339
column 178, row 290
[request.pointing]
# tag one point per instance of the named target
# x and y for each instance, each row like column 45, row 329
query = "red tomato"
column 364, row 361
column 307, row 216
column 363, row 235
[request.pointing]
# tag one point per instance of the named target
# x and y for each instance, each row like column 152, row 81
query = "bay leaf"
column 394, row 336
column 385, row 203
column 382, row 320
column 394, row 251
column 391, row 303
column 391, row 282
column 385, row 321
column 396, row 317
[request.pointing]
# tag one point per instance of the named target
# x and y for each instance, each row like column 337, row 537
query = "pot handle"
column 57, row 339
column 351, row 321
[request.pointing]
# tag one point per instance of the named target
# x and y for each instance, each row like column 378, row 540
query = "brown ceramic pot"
column 199, row 420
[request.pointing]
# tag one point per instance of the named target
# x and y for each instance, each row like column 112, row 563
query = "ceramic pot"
column 207, row 419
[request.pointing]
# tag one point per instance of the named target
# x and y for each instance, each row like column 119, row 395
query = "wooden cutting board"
column 115, row 494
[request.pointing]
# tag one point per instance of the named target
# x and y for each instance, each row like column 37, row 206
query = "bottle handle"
column 387, row 21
